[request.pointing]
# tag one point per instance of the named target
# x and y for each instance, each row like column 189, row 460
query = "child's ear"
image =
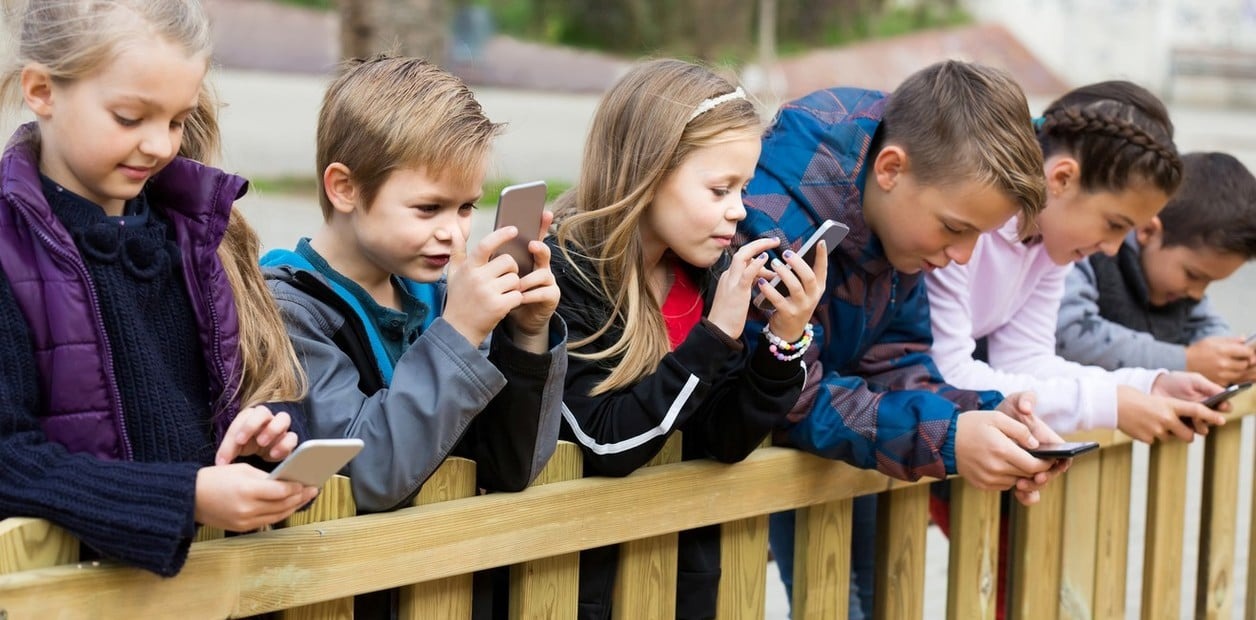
column 1149, row 232
column 889, row 164
column 36, row 83
column 1063, row 173
column 341, row 191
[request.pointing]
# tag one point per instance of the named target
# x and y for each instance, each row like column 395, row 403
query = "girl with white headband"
column 655, row 300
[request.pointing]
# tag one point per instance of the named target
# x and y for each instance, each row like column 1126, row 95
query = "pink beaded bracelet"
column 788, row 351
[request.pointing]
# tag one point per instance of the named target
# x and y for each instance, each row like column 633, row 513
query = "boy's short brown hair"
column 386, row 113
column 1215, row 207
column 961, row 122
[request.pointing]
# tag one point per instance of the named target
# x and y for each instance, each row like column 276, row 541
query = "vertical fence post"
column 973, row 573
column 1034, row 556
column 1080, row 537
column 900, row 580
column 449, row 597
column 743, row 568
column 1162, row 546
column 1116, row 468
column 335, row 501
column 27, row 544
column 822, row 561
column 549, row 587
column 1214, row 586
column 645, row 585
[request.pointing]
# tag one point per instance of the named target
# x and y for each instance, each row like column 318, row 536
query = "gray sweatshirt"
column 1107, row 320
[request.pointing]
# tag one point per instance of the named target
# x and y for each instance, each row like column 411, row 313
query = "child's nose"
column 737, row 212
column 157, row 143
column 960, row 253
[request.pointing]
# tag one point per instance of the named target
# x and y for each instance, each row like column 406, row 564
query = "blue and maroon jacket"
column 875, row 400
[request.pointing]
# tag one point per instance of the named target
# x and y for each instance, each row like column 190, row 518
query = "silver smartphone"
column 830, row 232
column 521, row 206
column 316, row 460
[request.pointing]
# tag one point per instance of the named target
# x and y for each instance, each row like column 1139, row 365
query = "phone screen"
column 1065, row 450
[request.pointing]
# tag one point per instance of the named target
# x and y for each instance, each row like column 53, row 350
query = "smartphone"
column 521, row 206
column 1064, row 450
column 316, row 460
column 1220, row 397
column 830, row 232
column 1251, row 341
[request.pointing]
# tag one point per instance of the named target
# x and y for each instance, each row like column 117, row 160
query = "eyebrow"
column 149, row 103
column 961, row 222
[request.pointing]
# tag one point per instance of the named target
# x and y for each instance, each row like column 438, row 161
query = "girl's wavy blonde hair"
column 75, row 38
column 641, row 132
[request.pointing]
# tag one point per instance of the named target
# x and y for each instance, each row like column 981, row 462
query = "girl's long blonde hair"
column 75, row 38
column 641, row 132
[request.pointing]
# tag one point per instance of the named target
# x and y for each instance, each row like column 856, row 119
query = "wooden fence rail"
column 1067, row 556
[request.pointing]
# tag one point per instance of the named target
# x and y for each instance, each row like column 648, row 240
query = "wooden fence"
column 1069, row 558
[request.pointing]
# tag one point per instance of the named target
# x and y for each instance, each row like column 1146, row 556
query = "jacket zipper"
column 94, row 300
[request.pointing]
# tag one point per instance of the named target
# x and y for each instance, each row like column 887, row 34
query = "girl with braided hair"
column 1110, row 167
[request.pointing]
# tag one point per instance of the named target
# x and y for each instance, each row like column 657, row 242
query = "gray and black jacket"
column 495, row 404
column 1107, row 320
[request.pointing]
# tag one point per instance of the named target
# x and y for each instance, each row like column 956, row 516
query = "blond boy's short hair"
column 386, row 113
column 966, row 122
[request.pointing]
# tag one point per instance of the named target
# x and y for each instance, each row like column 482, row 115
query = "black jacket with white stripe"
column 725, row 394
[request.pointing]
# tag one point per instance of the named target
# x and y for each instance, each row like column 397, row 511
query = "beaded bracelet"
column 788, row 351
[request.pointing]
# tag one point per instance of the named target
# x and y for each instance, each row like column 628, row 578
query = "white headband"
column 708, row 104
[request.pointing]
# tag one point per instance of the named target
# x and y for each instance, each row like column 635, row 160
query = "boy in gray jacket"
column 1145, row 306
column 397, row 355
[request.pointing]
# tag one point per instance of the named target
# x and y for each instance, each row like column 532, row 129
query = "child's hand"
column 806, row 287
column 990, row 452
column 257, row 431
column 1148, row 418
column 481, row 292
column 1020, row 407
column 732, row 294
column 240, row 497
column 540, row 296
column 1190, row 386
column 1223, row 359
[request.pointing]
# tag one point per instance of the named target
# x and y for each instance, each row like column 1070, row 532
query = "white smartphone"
column 316, row 460
column 521, row 206
column 830, row 232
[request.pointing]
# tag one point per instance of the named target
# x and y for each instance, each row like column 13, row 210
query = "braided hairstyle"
column 1118, row 132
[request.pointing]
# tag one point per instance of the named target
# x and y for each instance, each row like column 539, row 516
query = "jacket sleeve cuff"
column 764, row 364
column 947, row 450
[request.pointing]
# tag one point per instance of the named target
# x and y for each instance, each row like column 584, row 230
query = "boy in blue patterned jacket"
column 917, row 176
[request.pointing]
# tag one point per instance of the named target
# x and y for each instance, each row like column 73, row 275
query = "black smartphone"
column 1063, row 450
column 1220, row 397
column 521, row 206
column 830, row 232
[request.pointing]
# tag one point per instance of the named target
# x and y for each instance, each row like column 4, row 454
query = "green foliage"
column 308, row 187
column 312, row 4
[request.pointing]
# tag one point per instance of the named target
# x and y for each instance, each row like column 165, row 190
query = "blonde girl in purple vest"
column 140, row 355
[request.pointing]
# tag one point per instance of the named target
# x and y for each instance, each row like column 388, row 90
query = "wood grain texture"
column 973, row 574
column 449, row 597
column 549, row 587
column 900, row 580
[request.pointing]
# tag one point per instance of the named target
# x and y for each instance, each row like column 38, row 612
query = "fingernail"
column 762, row 257
column 776, row 262
column 789, row 253
column 762, row 282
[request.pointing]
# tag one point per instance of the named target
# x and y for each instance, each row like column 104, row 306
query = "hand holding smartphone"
column 830, row 232
column 521, row 206
column 1063, row 450
column 316, row 460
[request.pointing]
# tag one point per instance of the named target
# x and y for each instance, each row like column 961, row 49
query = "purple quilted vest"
column 82, row 407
